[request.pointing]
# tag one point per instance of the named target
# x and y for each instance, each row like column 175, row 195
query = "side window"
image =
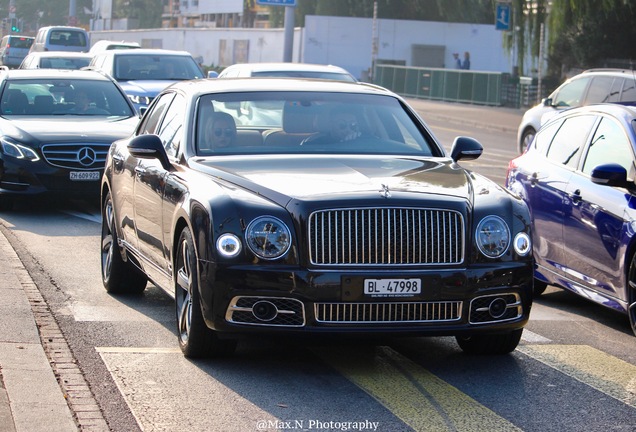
column 543, row 138
column 629, row 90
column 569, row 140
column 609, row 144
column 151, row 120
column 571, row 94
column 171, row 129
column 601, row 90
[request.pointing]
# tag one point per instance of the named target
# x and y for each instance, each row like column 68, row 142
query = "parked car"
column 346, row 217
column 296, row 70
column 577, row 178
column 143, row 73
column 589, row 87
column 61, row 38
column 13, row 49
column 48, row 146
column 105, row 45
column 56, row 60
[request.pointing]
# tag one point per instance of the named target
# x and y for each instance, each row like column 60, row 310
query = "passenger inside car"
column 220, row 131
column 340, row 125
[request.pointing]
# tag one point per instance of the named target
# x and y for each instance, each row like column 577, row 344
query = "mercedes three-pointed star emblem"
column 86, row 156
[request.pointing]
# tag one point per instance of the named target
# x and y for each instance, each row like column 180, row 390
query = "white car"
column 589, row 87
column 104, row 45
column 287, row 70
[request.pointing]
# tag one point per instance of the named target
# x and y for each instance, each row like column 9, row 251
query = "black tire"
column 490, row 344
column 118, row 276
column 195, row 338
column 631, row 294
column 526, row 139
column 539, row 288
column 6, row 203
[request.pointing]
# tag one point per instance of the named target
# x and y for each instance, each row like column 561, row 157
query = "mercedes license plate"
column 85, row 175
column 392, row 287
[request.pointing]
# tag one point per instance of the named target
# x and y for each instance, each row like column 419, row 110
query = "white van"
column 61, row 38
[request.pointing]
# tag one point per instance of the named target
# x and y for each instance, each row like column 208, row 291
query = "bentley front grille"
column 388, row 312
column 77, row 156
column 386, row 236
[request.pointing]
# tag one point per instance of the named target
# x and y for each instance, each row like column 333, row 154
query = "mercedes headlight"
column 268, row 237
column 492, row 236
column 18, row 151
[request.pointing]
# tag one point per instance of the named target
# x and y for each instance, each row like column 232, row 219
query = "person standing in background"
column 458, row 62
column 466, row 62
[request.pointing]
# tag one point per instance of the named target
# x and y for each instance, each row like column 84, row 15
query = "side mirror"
column 547, row 102
column 610, row 175
column 149, row 147
column 465, row 148
column 213, row 74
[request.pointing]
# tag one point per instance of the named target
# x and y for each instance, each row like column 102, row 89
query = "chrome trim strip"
column 388, row 312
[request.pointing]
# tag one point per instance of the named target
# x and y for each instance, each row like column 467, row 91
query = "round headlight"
column 228, row 245
column 492, row 236
column 268, row 237
column 522, row 244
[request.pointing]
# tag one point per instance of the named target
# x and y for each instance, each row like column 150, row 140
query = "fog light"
column 264, row 310
column 497, row 307
column 522, row 244
column 228, row 245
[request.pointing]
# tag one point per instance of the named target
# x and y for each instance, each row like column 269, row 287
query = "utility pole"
column 289, row 34
column 72, row 13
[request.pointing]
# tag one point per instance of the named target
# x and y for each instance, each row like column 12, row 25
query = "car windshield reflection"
column 295, row 122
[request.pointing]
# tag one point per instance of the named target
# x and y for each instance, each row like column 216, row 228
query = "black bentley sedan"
column 56, row 127
column 311, row 207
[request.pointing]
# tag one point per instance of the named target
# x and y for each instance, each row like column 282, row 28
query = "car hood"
column 148, row 88
column 325, row 177
column 68, row 129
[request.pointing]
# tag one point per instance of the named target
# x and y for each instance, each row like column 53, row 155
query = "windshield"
column 298, row 122
column 156, row 67
column 54, row 97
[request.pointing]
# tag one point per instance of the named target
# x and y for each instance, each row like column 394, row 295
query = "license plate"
column 392, row 287
column 85, row 175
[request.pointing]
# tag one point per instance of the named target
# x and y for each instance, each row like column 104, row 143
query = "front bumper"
column 483, row 299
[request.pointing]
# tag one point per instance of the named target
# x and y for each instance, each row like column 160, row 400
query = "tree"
column 588, row 33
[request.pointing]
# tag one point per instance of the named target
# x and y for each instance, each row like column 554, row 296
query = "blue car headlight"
column 268, row 237
column 18, row 151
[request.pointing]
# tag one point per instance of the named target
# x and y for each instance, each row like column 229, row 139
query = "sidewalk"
column 30, row 398
column 42, row 387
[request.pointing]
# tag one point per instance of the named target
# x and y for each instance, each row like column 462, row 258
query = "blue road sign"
column 502, row 19
column 277, row 2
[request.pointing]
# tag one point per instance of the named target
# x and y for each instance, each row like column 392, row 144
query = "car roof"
column 144, row 51
column 16, row 74
column 63, row 54
column 616, row 109
column 273, row 67
column 235, row 85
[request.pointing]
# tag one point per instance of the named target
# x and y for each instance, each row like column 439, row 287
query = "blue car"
column 144, row 73
column 578, row 179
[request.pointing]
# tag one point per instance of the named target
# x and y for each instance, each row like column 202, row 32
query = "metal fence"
column 476, row 87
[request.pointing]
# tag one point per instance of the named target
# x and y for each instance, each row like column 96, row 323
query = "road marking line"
column 414, row 395
column 604, row 372
column 531, row 337
column 97, row 218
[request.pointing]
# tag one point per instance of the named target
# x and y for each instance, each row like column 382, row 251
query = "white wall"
column 262, row 44
column 345, row 42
